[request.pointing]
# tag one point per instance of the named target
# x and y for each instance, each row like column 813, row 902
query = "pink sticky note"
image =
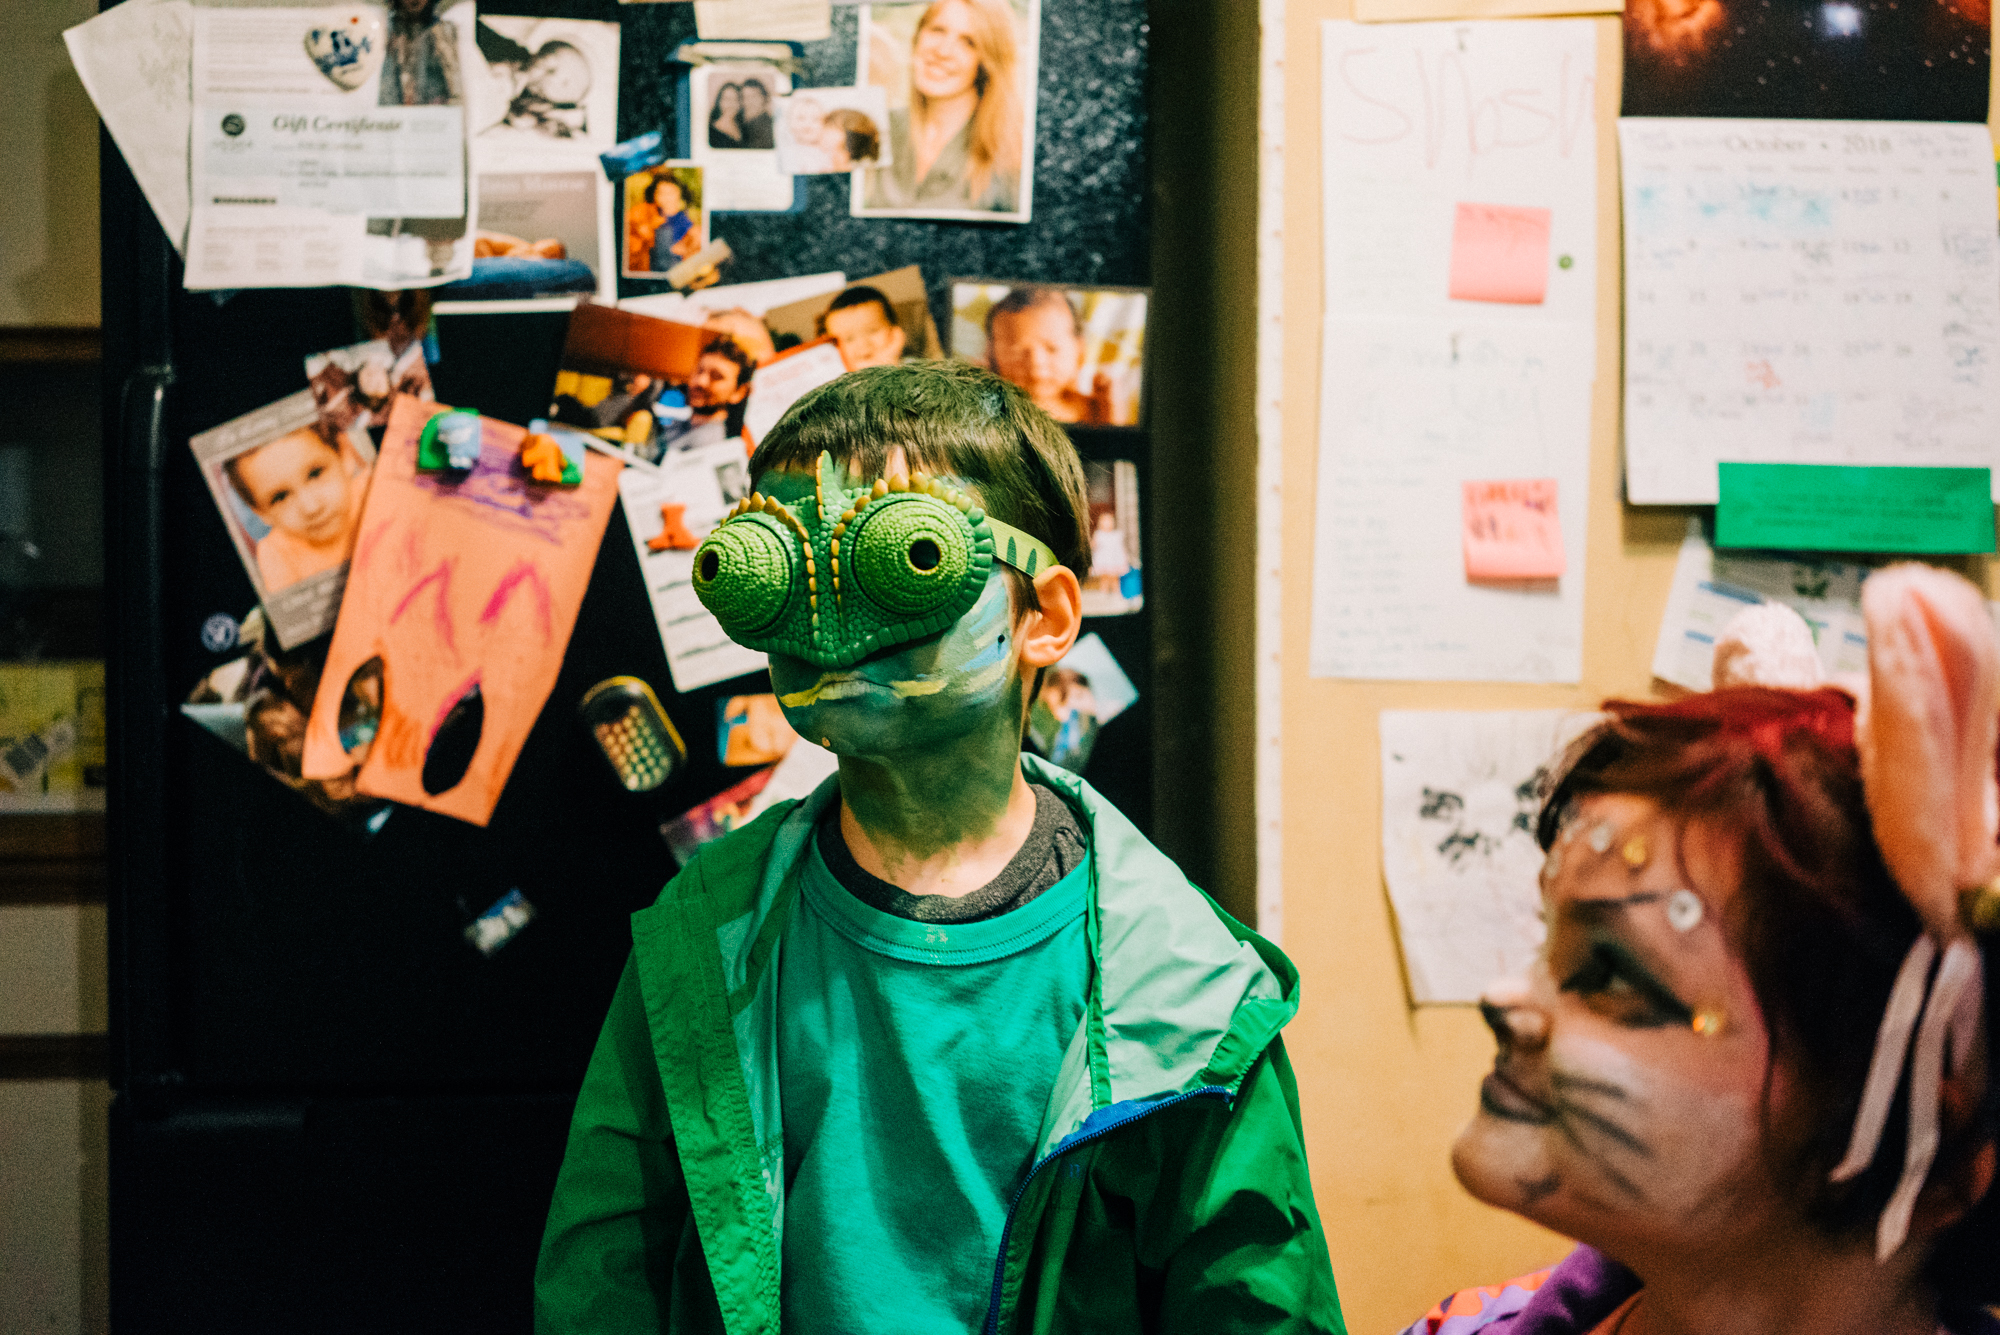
column 1500, row 253
column 1511, row 530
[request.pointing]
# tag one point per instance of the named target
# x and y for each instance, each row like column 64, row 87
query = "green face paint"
column 831, row 574
column 922, row 697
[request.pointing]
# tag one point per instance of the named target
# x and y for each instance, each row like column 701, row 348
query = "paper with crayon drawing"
column 465, row 590
column 1460, row 793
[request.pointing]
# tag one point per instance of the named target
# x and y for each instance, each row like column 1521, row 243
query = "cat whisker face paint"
column 1624, row 1107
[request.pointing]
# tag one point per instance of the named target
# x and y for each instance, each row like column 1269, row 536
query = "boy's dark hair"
column 724, row 346
column 951, row 420
column 859, row 295
column 1026, row 299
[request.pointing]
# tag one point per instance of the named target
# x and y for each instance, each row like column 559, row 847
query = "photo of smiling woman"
column 960, row 80
column 1714, row 1077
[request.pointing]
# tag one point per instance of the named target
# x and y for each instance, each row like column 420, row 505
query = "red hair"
column 1820, row 924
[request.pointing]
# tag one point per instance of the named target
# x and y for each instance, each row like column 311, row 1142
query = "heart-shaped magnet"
column 348, row 51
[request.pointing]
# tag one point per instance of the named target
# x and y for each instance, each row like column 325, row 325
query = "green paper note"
column 1829, row 508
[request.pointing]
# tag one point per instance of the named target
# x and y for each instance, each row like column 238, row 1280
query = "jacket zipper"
column 1062, row 1148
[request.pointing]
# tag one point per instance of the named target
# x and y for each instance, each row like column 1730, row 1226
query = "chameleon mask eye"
column 743, row 573
column 910, row 556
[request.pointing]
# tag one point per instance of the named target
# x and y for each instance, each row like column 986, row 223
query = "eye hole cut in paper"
column 1500, row 253
column 467, row 590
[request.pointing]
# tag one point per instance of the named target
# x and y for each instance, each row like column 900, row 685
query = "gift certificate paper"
column 328, row 147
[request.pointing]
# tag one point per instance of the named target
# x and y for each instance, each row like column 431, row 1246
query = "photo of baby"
column 289, row 485
column 1078, row 351
column 352, row 386
column 664, row 219
column 828, row 130
column 553, row 79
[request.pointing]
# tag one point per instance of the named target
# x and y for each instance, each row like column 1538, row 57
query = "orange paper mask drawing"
column 465, row 591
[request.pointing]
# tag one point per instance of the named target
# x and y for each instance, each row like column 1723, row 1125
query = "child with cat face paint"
column 946, row 1046
column 1753, row 1070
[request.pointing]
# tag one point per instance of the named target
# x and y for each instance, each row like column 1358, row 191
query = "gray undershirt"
column 1056, row 846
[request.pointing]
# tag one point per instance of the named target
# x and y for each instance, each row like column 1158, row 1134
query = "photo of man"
column 899, row 294
column 715, row 396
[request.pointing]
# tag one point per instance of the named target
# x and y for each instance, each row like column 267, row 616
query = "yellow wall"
column 48, row 159
column 1385, row 1087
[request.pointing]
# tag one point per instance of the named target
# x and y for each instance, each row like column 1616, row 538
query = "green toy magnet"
column 834, row 577
column 449, row 442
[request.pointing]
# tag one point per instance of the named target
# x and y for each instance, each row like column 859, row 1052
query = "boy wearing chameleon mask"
column 947, row 1046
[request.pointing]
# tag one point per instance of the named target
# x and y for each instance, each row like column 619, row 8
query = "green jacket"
column 1169, row 1190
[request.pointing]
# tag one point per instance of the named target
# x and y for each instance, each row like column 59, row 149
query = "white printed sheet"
column 1813, row 292
column 298, row 180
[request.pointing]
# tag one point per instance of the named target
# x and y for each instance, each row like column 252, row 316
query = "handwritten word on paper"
column 1511, row 530
column 1806, row 292
column 1467, row 149
column 1500, row 253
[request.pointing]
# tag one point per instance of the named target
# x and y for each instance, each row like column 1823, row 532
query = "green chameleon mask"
column 835, row 576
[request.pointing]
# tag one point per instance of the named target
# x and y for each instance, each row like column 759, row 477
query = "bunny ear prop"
column 1927, row 737
column 1927, row 741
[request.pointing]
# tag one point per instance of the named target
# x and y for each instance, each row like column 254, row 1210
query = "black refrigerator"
column 331, row 1112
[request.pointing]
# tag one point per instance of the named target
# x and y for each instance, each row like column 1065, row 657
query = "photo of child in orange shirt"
column 308, row 491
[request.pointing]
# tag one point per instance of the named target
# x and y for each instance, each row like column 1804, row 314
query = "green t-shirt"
column 915, row 1061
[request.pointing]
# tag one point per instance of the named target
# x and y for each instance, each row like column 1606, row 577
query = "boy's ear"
column 1047, row 633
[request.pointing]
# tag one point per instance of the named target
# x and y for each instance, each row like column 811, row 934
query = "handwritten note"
column 1460, row 167
column 1409, row 413
column 1820, row 292
column 1427, row 123
column 1500, row 253
column 1460, row 792
column 1511, row 530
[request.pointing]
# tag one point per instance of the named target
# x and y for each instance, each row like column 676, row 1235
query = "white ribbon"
column 1885, row 1071
column 1950, row 1017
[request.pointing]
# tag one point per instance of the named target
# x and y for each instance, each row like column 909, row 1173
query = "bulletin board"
column 1090, row 228
column 1384, row 1086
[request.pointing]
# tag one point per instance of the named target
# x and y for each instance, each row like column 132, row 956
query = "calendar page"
column 1814, row 292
